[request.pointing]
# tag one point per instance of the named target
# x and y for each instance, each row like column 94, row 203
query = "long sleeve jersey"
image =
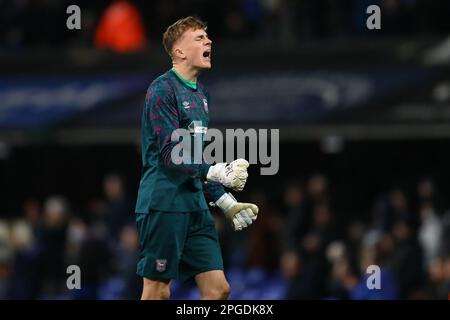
column 173, row 103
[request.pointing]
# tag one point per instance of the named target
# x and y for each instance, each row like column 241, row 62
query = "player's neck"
column 187, row 73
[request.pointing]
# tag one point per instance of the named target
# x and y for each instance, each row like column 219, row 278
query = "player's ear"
column 178, row 53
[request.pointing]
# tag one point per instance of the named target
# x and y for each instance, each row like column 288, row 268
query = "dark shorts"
column 177, row 245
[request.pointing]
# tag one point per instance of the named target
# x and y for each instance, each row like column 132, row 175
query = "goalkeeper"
column 177, row 234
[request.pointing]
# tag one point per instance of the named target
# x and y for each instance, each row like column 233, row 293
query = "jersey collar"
column 190, row 84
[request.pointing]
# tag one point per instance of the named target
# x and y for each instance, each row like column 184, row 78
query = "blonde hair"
column 177, row 29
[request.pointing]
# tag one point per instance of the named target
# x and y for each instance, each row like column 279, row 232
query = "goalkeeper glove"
column 233, row 175
column 240, row 215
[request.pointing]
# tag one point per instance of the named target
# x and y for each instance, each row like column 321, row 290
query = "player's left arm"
column 212, row 191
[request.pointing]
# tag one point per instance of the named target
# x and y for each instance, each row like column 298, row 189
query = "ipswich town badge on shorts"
column 161, row 265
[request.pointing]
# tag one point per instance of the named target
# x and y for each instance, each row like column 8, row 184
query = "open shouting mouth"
column 207, row 54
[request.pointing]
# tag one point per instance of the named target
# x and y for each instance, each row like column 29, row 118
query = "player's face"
column 197, row 48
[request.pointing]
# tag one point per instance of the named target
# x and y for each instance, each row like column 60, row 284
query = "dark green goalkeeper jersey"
column 172, row 103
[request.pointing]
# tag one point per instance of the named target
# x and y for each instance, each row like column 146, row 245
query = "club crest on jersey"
column 205, row 105
column 186, row 104
column 161, row 265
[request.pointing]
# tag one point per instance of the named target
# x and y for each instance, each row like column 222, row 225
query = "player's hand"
column 239, row 215
column 233, row 175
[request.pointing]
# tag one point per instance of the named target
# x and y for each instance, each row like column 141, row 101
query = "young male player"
column 177, row 234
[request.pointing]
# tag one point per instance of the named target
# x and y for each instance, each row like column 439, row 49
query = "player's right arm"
column 163, row 119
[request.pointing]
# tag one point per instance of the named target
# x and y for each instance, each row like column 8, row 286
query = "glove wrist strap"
column 226, row 201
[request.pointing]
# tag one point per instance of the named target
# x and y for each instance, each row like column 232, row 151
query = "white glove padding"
column 233, row 175
column 240, row 215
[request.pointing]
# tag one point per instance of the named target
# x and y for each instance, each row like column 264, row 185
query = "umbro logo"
column 205, row 105
column 186, row 104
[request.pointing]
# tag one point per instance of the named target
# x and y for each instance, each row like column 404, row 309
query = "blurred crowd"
column 407, row 237
column 303, row 240
column 139, row 23
column 37, row 248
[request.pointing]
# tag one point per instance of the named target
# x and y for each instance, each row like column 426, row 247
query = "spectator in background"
column 427, row 193
column 406, row 260
column 322, row 231
column 121, row 28
column 77, row 233
column 430, row 230
column 126, row 257
column 439, row 274
column 52, row 244
column 264, row 238
column 354, row 236
column 349, row 271
column 305, row 265
column 395, row 208
column 317, row 189
column 345, row 274
column 372, row 255
column 94, row 259
column 32, row 213
column 297, row 218
column 98, row 243
column 90, row 247
column 23, row 252
column 311, row 283
column 25, row 275
column 116, row 212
